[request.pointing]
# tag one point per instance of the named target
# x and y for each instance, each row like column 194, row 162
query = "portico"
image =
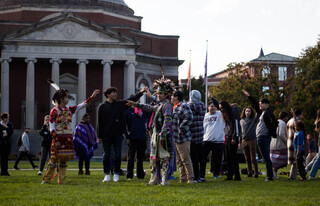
column 66, row 38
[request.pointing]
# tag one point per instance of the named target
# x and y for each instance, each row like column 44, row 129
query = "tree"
column 196, row 84
column 230, row 88
column 306, row 89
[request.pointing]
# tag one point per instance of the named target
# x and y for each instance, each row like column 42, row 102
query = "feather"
column 54, row 85
column 162, row 71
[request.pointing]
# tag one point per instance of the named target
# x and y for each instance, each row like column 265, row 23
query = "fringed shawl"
column 85, row 139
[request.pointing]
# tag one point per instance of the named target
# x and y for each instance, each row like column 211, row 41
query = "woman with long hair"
column 248, row 125
column 232, row 134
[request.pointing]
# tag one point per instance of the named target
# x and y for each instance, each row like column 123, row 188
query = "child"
column 299, row 148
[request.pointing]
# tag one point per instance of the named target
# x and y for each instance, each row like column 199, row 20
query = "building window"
column 265, row 90
column 282, row 73
column 265, row 71
column 281, row 91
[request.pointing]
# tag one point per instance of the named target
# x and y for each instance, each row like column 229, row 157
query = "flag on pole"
column 189, row 74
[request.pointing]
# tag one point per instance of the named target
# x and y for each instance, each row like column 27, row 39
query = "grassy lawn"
column 23, row 188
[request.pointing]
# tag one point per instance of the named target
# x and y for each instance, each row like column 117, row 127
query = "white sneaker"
column 106, row 178
column 275, row 175
column 39, row 173
column 115, row 177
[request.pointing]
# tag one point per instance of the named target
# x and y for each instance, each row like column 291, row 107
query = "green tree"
column 306, row 89
column 196, row 84
column 230, row 88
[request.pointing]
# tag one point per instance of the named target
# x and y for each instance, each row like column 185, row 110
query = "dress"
column 61, row 131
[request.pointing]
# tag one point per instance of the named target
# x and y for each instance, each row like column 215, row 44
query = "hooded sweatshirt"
column 198, row 109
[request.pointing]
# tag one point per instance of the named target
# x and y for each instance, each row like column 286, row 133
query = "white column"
column 5, row 84
column 81, row 85
column 129, row 78
column 30, row 92
column 55, row 74
column 106, row 81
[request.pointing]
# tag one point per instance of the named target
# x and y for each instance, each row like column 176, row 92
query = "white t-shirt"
column 213, row 126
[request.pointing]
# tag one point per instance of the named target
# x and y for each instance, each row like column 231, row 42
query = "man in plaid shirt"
column 181, row 121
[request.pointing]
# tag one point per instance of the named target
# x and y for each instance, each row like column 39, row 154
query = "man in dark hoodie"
column 266, row 128
column 198, row 109
column 111, row 127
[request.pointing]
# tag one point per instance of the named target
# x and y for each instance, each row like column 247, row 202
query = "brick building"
column 80, row 44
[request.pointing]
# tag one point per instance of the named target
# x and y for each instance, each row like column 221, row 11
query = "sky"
column 236, row 30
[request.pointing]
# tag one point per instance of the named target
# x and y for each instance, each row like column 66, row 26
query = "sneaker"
column 202, row 180
column 268, row 179
column 87, row 173
column 35, row 167
column 106, row 178
column 80, row 173
column 129, row 179
column 115, row 177
column 39, row 173
column 312, row 178
column 16, row 168
column 275, row 175
column 43, row 182
column 216, row 177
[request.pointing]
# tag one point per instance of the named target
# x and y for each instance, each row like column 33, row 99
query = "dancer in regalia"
column 62, row 135
column 162, row 155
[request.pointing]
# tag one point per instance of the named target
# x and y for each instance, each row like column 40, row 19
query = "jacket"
column 112, row 118
column 281, row 141
column 268, row 117
column 45, row 133
column 198, row 109
column 136, row 124
column 181, row 121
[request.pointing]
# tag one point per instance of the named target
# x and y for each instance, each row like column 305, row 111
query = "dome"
column 116, row 6
column 121, row 2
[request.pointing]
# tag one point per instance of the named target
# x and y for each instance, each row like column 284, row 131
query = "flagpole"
column 189, row 75
column 205, row 74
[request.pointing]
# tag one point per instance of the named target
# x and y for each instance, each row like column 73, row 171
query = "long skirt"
column 279, row 158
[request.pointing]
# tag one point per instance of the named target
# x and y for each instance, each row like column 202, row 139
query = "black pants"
column 114, row 142
column 45, row 152
column 4, row 152
column 217, row 151
column 21, row 155
column 81, row 159
column 196, row 158
column 233, row 164
column 300, row 165
column 136, row 146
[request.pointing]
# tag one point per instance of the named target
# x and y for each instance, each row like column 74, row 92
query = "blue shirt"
column 298, row 140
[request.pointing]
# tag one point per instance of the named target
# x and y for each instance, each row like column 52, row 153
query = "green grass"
column 23, row 188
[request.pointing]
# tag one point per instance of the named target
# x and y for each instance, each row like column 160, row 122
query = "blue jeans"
column 316, row 165
column 264, row 146
column 116, row 142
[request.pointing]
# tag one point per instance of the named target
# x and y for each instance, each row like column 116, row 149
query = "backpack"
column 19, row 141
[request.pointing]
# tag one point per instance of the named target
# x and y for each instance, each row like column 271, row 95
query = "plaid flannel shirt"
column 196, row 127
column 181, row 121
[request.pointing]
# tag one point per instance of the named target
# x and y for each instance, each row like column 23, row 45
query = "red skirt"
column 65, row 152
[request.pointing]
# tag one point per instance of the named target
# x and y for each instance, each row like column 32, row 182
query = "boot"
column 153, row 178
column 62, row 173
column 165, row 180
column 49, row 173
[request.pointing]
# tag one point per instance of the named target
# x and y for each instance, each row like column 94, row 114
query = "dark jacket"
column 112, row 117
column 268, row 117
column 136, row 125
column 45, row 133
column 9, row 130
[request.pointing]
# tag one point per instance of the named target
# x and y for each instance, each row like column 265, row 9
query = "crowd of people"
column 182, row 134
